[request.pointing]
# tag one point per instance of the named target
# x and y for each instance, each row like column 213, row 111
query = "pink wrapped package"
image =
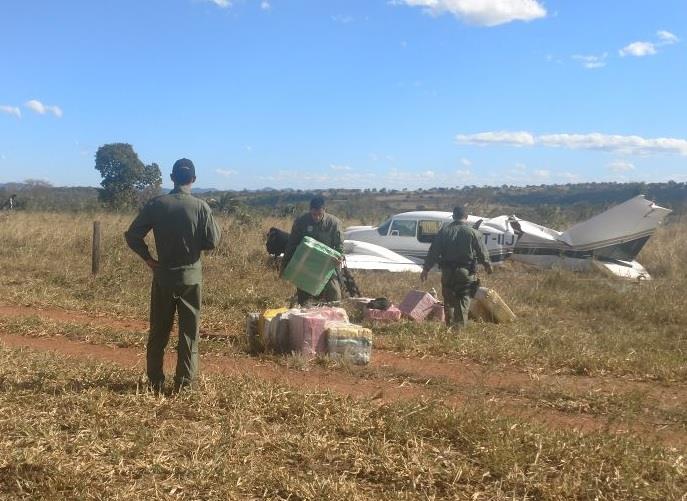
column 437, row 313
column 306, row 329
column 329, row 312
column 417, row 305
column 391, row 314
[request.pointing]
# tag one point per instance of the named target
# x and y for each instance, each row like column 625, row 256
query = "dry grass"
column 76, row 430
column 73, row 430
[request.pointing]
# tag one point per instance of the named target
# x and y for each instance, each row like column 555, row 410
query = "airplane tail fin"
column 620, row 232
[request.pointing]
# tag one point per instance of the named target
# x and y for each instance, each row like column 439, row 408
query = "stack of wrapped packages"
column 416, row 306
column 323, row 330
column 419, row 306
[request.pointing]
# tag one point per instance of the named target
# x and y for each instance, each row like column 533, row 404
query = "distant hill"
column 556, row 205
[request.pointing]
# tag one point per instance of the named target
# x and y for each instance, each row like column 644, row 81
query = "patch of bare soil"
column 85, row 318
column 389, row 377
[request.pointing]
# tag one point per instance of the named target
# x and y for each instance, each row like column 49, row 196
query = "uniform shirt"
column 456, row 243
column 183, row 227
column 328, row 231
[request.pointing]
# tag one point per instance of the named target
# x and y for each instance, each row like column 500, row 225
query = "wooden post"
column 95, row 254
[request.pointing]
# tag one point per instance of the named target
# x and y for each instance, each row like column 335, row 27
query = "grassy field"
column 79, row 430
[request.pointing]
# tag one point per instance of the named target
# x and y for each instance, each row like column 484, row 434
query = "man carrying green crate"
column 324, row 228
column 183, row 226
column 457, row 248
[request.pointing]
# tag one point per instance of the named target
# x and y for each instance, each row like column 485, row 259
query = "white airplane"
column 609, row 241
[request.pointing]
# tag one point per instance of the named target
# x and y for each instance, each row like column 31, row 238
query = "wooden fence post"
column 95, row 254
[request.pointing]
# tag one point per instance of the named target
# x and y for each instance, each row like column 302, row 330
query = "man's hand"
column 152, row 263
column 490, row 270
column 423, row 275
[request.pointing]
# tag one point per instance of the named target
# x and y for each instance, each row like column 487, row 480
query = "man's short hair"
column 183, row 171
column 459, row 212
column 318, row 202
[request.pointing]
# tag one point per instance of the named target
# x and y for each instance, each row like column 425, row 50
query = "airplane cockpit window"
column 383, row 229
column 427, row 230
column 403, row 227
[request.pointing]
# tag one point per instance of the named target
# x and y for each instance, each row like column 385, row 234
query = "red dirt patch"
column 84, row 318
column 387, row 379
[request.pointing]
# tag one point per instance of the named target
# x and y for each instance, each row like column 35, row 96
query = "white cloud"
column 481, row 12
column 342, row 19
column 619, row 166
column 302, row 178
column 569, row 176
column 400, row 175
column 592, row 141
column 464, row 173
column 591, row 62
column 542, row 174
column 11, row 110
column 226, row 172
column 519, row 168
column 666, row 37
column 638, row 49
column 42, row 109
column 466, row 162
column 340, row 167
column 223, row 4
column 376, row 157
column 265, row 5
column 498, row 137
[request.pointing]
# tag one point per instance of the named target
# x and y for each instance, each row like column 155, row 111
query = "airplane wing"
column 366, row 256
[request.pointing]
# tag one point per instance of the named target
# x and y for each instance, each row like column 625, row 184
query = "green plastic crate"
column 311, row 266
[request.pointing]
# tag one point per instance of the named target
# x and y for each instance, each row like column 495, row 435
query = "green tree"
column 127, row 182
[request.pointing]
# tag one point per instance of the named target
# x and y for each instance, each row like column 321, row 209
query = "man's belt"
column 471, row 266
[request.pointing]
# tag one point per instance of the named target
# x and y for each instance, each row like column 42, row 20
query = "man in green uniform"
column 182, row 227
column 325, row 228
column 457, row 248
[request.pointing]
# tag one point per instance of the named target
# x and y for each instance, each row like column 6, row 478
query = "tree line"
column 127, row 183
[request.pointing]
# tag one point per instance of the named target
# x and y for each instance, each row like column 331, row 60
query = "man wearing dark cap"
column 182, row 227
column 457, row 248
column 325, row 228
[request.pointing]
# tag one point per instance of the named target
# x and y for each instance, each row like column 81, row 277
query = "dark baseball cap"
column 183, row 170
column 459, row 212
column 317, row 202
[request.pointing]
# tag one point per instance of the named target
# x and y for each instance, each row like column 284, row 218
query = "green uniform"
column 456, row 249
column 328, row 231
column 182, row 227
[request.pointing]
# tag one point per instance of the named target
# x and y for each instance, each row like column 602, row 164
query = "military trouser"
column 164, row 302
column 455, row 285
column 330, row 293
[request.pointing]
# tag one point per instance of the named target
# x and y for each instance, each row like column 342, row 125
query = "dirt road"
column 561, row 402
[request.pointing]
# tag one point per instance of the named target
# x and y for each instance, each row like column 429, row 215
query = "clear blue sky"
column 347, row 93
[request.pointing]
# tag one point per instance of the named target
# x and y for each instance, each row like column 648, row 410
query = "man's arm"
column 433, row 256
column 481, row 252
column 210, row 232
column 137, row 232
column 295, row 238
column 337, row 236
